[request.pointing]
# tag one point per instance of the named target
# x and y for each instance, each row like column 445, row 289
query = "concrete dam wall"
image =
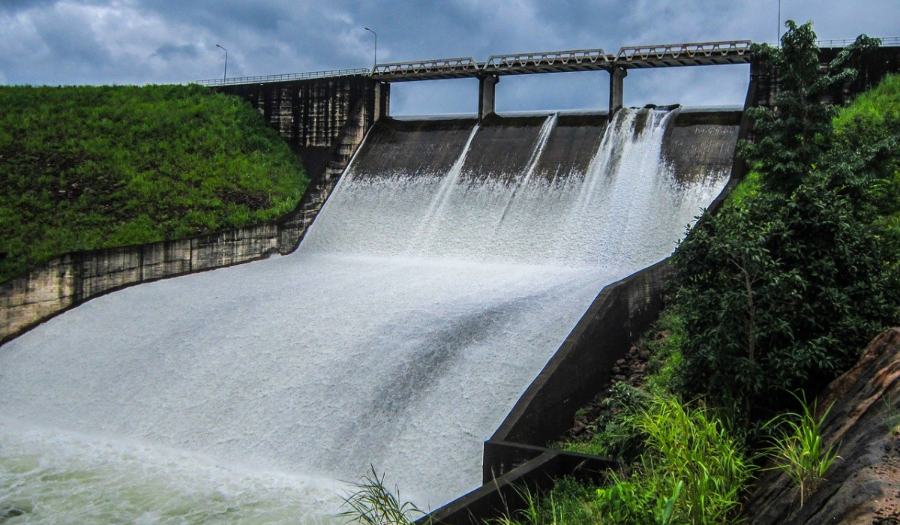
column 447, row 267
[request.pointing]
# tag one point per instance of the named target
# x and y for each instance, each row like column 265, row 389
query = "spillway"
column 445, row 269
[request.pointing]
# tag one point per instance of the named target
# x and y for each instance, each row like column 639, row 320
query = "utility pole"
column 374, row 62
column 225, row 74
column 778, row 33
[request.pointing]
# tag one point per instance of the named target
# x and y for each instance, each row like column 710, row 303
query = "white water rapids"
column 416, row 311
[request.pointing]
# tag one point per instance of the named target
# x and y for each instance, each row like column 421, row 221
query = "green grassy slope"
column 95, row 167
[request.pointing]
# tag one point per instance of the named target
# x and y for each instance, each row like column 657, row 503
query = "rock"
column 619, row 377
column 863, row 487
column 578, row 428
column 620, row 362
column 616, row 369
column 645, row 354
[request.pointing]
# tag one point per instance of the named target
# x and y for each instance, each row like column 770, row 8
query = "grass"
column 693, row 470
column 567, row 503
column 372, row 503
column 95, row 167
column 873, row 120
column 613, row 433
column 798, row 448
column 746, row 190
column 874, row 108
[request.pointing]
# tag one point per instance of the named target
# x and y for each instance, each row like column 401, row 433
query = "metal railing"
column 690, row 50
column 570, row 56
column 886, row 41
column 283, row 77
column 436, row 65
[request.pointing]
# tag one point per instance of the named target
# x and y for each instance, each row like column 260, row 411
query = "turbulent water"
column 413, row 315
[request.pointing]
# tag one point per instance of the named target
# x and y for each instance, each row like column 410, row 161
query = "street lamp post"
column 375, row 62
column 778, row 40
column 225, row 74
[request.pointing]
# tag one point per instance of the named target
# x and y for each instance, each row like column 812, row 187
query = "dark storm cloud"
column 139, row 41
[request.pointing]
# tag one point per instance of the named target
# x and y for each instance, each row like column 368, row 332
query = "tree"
column 791, row 134
column 779, row 291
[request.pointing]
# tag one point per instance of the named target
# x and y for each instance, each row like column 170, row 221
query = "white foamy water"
column 413, row 315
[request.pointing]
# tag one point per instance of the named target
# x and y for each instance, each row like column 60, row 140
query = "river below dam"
column 446, row 268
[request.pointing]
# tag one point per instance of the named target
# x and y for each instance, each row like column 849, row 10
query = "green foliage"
column 864, row 159
column 781, row 288
column 873, row 109
column 372, row 503
column 693, row 471
column 568, row 503
column 746, row 190
column 782, row 295
column 666, row 351
column 798, row 448
column 613, row 433
column 94, row 167
column 790, row 134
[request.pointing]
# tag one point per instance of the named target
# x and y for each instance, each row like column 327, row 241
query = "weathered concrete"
column 616, row 88
column 701, row 142
column 382, row 101
column 324, row 120
column 312, row 115
column 619, row 315
column 502, row 493
column 487, row 94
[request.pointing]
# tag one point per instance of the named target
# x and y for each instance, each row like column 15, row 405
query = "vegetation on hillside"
column 94, row 167
column 775, row 296
column 781, row 289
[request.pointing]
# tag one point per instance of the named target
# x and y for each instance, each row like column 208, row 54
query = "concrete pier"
column 382, row 101
column 616, row 88
column 487, row 94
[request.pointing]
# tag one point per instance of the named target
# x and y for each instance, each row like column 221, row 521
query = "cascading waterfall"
column 543, row 138
column 439, row 201
column 415, row 312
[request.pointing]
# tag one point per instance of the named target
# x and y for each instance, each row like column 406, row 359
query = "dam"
column 449, row 263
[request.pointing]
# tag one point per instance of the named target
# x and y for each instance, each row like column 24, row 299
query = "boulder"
column 863, row 486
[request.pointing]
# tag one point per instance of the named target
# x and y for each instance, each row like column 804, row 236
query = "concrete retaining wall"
column 343, row 112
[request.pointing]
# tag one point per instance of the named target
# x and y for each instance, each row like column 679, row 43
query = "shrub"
column 692, row 471
column 614, row 433
column 790, row 133
column 568, row 503
column 798, row 449
column 782, row 287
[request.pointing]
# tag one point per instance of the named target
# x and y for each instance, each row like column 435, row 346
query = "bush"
column 798, row 448
column 614, row 433
column 96, row 167
column 568, row 503
column 693, row 471
column 781, row 289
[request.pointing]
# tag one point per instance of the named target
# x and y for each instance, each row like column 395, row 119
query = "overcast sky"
column 158, row 41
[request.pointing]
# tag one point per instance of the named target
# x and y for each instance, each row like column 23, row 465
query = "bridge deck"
column 692, row 54
column 663, row 55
